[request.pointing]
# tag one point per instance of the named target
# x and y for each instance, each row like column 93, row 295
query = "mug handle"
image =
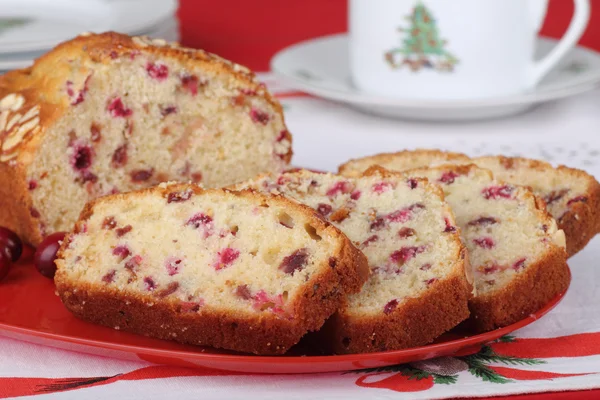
column 581, row 16
column 539, row 9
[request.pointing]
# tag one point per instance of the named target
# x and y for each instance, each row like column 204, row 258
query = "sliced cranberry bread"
column 515, row 248
column 572, row 196
column 417, row 289
column 237, row 270
column 401, row 161
column 107, row 113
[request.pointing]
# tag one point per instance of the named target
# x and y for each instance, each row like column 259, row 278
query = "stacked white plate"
column 30, row 28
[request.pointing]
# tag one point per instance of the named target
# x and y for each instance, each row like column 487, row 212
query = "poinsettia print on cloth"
column 496, row 363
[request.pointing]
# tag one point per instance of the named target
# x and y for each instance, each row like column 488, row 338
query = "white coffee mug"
column 452, row 49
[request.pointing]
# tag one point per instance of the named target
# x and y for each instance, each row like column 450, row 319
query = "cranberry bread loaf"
column 417, row 289
column 515, row 248
column 107, row 113
column 236, row 270
column 572, row 196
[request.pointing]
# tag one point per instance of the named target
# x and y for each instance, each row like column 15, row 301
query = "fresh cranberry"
column 332, row 262
column 45, row 254
column 324, row 209
column 119, row 157
column 381, row 187
column 400, row 215
column 124, row 230
column 116, row 108
column 577, row 199
column 32, row 185
column 378, row 224
column 34, row 212
column 160, row 72
column 259, row 116
column 149, row 283
column 282, row 135
column 413, row 183
column 166, row 110
column 425, row 267
column 390, row 306
column 430, row 281
column 122, row 252
column 96, row 132
column 519, row 264
column 82, row 157
column 87, row 176
column 555, row 196
column 141, row 175
column 11, row 244
column 225, row 258
column 449, row 227
column 485, row 242
column 355, row 195
column 406, row 232
column 243, row 292
column 196, row 177
column 369, row 240
column 342, row 187
column 190, row 83
column 494, row 192
column 448, row 177
column 490, row 268
column 173, row 264
column 109, row 223
column 294, row 262
column 406, row 253
column 81, row 95
column 133, row 263
column 483, row 221
column 109, row 277
column 5, row 265
column 198, row 220
column 178, row 197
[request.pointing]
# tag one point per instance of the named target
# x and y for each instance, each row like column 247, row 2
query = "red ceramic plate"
column 30, row 311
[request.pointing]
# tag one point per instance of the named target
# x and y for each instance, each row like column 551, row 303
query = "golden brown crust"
column 349, row 168
column 41, row 86
column 528, row 293
column 416, row 322
column 259, row 334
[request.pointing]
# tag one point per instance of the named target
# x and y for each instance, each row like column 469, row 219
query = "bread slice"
column 109, row 113
column 236, row 270
column 417, row 289
column 515, row 247
column 572, row 196
column 402, row 160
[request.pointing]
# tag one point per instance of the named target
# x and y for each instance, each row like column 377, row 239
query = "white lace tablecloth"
column 558, row 353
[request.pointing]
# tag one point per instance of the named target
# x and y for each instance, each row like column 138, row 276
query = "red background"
column 250, row 32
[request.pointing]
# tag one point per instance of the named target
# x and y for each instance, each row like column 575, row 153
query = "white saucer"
column 320, row 67
column 28, row 26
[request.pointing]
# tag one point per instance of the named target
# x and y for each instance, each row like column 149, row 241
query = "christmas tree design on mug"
column 422, row 46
